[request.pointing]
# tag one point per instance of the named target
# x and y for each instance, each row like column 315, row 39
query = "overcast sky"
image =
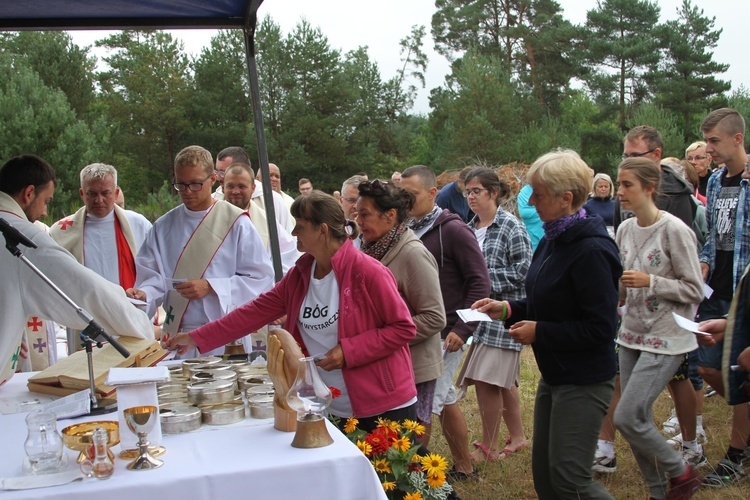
column 380, row 25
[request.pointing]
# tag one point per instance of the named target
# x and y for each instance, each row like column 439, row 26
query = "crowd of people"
column 591, row 273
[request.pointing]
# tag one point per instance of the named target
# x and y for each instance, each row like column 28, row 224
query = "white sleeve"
column 150, row 273
column 252, row 274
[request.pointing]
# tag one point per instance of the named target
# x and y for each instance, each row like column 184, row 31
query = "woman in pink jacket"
column 341, row 305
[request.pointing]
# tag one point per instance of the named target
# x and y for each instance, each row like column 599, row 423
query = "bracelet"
column 504, row 314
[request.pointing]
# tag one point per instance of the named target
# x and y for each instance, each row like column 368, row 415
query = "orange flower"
column 389, row 485
column 415, row 427
column 402, row 444
column 364, row 447
column 382, row 466
column 413, row 496
column 435, row 480
column 351, row 425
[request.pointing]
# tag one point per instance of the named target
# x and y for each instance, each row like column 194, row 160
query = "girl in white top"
column 662, row 275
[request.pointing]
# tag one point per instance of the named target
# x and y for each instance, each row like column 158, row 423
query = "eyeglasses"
column 638, row 155
column 474, row 191
column 220, row 173
column 351, row 201
column 190, row 186
column 696, row 158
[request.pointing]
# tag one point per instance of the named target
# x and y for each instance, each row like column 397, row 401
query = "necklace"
column 658, row 216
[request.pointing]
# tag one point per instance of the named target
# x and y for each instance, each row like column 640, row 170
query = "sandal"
column 506, row 452
column 487, row 454
column 456, row 475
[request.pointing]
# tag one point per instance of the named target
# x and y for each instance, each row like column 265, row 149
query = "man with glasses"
column 350, row 195
column 644, row 141
column 202, row 258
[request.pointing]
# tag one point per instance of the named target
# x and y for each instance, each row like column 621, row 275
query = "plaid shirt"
column 741, row 233
column 507, row 252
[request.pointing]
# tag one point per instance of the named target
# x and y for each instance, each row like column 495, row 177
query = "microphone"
column 14, row 235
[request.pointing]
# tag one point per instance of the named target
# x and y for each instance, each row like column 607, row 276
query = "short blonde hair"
column 601, row 176
column 694, row 146
column 193, row 156
column 560, row 171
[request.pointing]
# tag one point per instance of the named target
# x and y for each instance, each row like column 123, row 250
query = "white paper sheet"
column 688, row 325
column 707, row 290
column 468, row 315
column 122, row 376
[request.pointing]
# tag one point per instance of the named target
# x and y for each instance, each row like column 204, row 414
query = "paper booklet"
column 71, row 374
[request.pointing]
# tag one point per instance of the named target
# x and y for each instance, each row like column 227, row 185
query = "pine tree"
column 619, row 41
column 684, row 80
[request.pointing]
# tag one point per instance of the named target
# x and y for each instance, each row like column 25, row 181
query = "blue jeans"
column 711, row 308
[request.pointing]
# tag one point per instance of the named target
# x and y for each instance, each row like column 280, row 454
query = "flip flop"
column 486, row 451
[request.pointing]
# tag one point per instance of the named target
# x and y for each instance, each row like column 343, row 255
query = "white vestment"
column 239, row 271
column 283, row 216
column 218, row 195
column 287, row 242
column 100, row 244
column 287, row 199
column 24, row 293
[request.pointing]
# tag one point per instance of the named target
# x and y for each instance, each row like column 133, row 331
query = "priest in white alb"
column 27, row 184
column 201, row 258
column 236, row 154
column 101, row 235
column 238, row 188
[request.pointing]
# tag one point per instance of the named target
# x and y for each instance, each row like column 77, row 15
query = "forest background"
column 523, row 80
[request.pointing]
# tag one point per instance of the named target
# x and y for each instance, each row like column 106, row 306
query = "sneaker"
column 709, row 392
column 455, row 475
column 676, row 441
column 604, row 464
column 671, row 425
column 694, row 458
column 726, row 473
column 684, row 486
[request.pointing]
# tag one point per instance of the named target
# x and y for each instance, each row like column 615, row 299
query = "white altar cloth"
column 237, row 461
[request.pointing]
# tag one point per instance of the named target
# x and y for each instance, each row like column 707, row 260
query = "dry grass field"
column 512, row 478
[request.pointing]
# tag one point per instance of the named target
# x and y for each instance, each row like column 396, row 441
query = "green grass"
column 512, row 478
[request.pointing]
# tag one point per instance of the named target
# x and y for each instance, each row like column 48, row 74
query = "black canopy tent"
column 158, row 14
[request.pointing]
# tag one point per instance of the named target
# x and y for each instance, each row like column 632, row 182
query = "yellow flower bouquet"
column 393, row 452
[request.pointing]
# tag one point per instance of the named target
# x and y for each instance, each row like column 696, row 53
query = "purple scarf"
column 558, row 226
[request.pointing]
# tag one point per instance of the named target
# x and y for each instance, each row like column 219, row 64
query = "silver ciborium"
column 140, row 420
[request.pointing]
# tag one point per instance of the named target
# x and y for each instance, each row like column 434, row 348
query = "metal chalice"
column 140, row 420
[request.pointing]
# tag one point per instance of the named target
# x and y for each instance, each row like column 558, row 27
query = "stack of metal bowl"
column 211, row 391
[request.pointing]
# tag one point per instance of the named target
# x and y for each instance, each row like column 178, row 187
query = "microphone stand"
column 13, row 238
